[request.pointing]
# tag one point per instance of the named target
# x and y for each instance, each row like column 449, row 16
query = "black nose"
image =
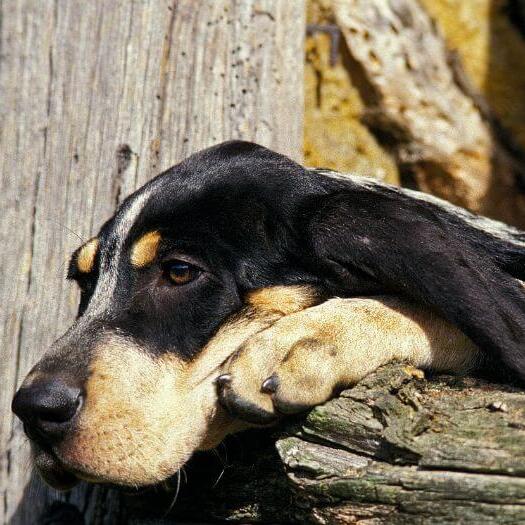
column 47, row 408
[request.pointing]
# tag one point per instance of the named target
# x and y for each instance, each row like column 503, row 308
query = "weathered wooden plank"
column 96, row 98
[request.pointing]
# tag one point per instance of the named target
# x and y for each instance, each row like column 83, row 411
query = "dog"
column 238, row 287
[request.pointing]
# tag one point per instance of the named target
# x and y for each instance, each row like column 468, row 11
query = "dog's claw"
column 241, row 408
column 223, row 380
column 270, row 385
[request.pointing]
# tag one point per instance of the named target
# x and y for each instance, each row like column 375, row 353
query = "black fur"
column 252, row 218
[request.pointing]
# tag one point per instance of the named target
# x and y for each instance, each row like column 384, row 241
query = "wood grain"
column 96, row 98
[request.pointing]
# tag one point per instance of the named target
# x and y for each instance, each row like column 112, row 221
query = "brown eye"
column 180, row 272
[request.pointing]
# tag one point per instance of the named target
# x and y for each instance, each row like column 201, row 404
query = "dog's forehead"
column 199, row 187
column 234, row 166
column 145, row 209
column 223, row 188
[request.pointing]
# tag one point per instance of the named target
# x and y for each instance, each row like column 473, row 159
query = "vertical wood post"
column 96, row 98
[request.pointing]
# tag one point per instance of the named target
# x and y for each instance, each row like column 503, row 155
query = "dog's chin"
column 60, row 477
column 52, row 470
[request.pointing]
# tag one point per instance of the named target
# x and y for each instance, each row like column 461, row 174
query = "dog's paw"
column 304, row 358
column 239, row 387
column 306, row 377
column 285, row 369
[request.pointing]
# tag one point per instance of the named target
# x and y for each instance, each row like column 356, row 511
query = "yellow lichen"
column 491, row 51
column 334, row 135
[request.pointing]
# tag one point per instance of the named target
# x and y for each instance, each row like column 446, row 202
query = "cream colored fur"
column 145, row 415
column 333, row 345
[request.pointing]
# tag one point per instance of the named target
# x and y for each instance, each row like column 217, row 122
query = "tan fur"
column 144, row 415
column 86, row 256
column 339, row 342
column 141, row 420
column 145, row 249
column 284, row 300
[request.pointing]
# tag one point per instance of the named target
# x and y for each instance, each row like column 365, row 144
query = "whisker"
column 185, row 474
column 224, row 462
column 174, row 500
column 219, row 478
column 66, row 228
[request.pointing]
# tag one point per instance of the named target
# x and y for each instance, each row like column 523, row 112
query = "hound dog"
column 239, row 286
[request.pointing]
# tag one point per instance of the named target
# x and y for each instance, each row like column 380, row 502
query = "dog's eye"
column 180, row 272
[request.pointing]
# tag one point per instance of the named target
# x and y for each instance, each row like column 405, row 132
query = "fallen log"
column 397, row 448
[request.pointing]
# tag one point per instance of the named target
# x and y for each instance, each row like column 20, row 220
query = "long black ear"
column 463, row 265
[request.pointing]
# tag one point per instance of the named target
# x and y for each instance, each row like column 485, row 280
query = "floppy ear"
column 435, row 253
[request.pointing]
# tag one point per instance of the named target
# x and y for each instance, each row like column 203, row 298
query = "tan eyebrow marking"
column 144, row 250
column 86, row 256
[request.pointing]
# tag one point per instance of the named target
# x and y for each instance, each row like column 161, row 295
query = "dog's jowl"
column 231, row 290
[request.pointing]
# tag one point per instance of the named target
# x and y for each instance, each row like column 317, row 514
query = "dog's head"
column 170, row 287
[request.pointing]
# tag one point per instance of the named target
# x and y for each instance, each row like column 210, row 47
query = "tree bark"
column 96, row 98
column 397, row 448
column 385, row 81
column 425, row 111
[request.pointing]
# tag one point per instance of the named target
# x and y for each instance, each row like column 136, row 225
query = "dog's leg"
column 430, row 253
column 305, row 358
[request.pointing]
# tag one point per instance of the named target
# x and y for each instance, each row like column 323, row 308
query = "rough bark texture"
column 443, row 104
column 420, row 101
column 397, row 448
column 97, row 97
